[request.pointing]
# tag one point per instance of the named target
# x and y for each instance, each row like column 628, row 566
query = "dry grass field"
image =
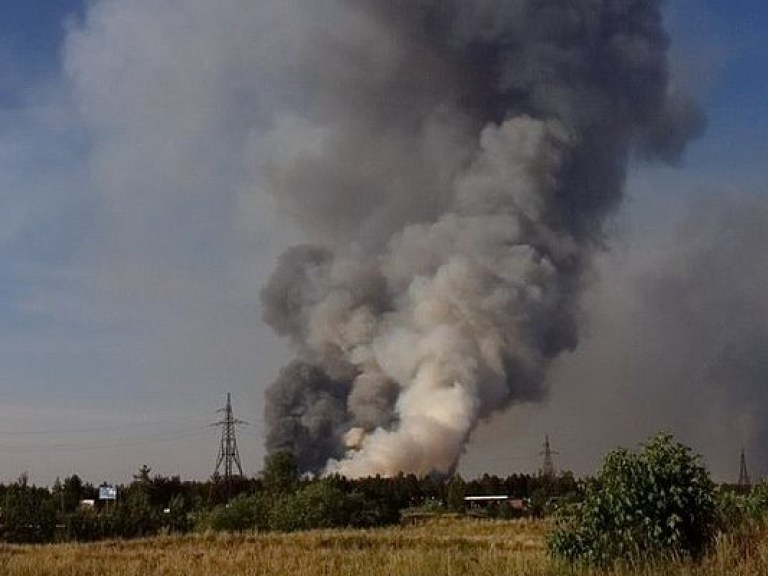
column 459, row 547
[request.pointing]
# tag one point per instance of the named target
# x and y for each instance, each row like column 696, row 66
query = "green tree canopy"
column 280, row 474
column 657, row 502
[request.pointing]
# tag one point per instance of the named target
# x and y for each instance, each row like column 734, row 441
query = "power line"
column 168, row 436
column 106, row 428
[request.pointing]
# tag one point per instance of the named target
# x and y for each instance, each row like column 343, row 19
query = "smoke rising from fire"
column 452, row 172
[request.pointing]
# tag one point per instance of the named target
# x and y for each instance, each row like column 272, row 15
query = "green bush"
column 86, row 525
column 134, row 518
column 654, row 504
column 241, row 514
column 757, row 503
column 320, row 504
column 743, row 515
column 176, row 520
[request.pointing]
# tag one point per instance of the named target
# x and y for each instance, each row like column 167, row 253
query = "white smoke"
column 447, row 341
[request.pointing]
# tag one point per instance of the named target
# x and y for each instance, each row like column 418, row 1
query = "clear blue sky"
column 117, row 342
column 36, row 26
column 31, row 35
column 730, row 38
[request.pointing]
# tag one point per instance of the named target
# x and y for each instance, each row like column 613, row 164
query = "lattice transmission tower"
column 744, row 481
column 229, row 456
column 548, row 466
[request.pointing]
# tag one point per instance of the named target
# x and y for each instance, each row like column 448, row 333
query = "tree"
column 280, row 474
column 28, row 513
column 136, row 516
column 73, row 492
column 656, row 503
column 457, row 489
column 144, row 476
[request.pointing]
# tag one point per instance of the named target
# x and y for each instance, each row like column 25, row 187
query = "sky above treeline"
column 135, row 238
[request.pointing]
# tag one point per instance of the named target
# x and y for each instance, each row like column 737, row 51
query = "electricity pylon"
column 229, row 456
column 548, row 467
column 744, row 481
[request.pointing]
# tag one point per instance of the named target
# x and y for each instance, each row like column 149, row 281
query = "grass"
column 451, row 546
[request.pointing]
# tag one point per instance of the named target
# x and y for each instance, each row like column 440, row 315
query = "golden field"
column 447, row 546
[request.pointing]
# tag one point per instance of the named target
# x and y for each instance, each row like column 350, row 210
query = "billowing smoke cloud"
column 678, row 327
column 453, row 173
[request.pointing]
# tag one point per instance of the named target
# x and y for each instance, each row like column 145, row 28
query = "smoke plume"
column 452, row 173
column 706, row 301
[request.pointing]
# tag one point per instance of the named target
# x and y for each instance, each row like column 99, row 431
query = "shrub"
column 743, row 516
column 365, row 512
column 653, row 504
column 280, row 474
column 457, row 489
column 757, row 502
column 134, row 518
column 320, row 504
column 177, row 520
column 241, row 514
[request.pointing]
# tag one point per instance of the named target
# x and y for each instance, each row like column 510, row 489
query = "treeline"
column 278, row 499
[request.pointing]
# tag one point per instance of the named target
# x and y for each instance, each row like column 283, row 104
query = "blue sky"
column 129, row 295
column 724, row 42
column 31, row 35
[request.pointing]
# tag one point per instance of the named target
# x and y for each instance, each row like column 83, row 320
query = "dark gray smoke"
column 708, row 303
column 676, row 341
column 305, row 414
column 453, row 174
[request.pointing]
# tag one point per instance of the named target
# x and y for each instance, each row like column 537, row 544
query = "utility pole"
column 548, row 467
column 744, row 482
column 229, row 456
